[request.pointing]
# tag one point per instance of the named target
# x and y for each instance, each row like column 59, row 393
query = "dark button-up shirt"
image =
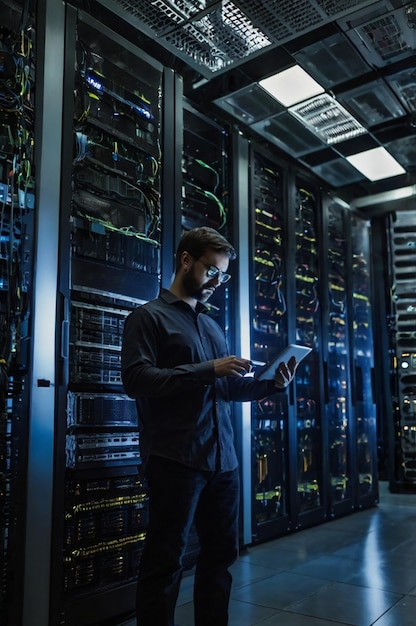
column 167, row 366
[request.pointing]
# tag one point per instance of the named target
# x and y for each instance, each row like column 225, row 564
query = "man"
column 176, row 364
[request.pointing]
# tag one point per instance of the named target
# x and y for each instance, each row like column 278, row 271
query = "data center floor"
column 358, row 570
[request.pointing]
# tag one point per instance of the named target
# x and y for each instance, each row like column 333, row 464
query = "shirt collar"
column 170, row 298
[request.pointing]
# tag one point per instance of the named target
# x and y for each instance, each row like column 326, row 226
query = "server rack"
column 307, row 405
column 336, row 348
column 269, row 430
column 402, row 226
column 313, row 452
column 110, row 262
column 362, row 353
column 17, row 205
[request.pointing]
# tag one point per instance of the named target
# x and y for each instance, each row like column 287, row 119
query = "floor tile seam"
column 296, row 547
column 285, row 608
column 360, row 559
column 389, row 609
column 362, row 585
column 262, row 579
column 296, row 613
column 282, row 568
column 324, row 578
column 288, row 544
column 272, row 550
column 280, row 611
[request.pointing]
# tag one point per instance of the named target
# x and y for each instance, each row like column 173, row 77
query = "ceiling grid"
column 362, row 53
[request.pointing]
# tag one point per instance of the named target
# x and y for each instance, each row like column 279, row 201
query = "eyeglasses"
column 214, row 272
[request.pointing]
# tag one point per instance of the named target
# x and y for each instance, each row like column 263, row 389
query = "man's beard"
column 200, row 293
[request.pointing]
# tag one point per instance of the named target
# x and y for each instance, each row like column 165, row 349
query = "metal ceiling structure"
column 362, row 53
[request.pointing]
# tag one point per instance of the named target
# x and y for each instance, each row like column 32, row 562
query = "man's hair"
column 198, row 240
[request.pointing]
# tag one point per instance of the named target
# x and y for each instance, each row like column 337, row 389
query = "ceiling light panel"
column 291, row 86
column 376, row 164
column 325, row 117
column 373, row 103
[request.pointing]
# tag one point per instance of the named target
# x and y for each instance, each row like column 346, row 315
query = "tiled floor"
column 359, row 570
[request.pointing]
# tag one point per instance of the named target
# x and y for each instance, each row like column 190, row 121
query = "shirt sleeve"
column 139, row 356
column 247, row 388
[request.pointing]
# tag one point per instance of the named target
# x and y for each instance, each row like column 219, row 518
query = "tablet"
column 269, row 370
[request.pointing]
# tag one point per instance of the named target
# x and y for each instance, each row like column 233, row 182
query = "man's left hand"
column 285, row 373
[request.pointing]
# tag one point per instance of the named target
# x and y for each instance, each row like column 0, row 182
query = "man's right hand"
column 231, row 366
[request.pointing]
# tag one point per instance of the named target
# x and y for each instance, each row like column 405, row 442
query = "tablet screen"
column 268, row 371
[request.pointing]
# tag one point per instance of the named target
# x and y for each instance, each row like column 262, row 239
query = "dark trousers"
column 179, row 495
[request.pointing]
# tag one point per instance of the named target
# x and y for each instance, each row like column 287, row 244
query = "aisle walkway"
column 359, row 570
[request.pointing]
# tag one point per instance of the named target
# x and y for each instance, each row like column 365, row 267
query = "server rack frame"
column 344, row 505
column 114, row 601
column 318, row 514
column 40, row 468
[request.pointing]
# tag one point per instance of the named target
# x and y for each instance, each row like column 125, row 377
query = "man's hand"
column 284, row 373
column 231, row 366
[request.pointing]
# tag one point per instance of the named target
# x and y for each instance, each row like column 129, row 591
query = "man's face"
column 199, row 282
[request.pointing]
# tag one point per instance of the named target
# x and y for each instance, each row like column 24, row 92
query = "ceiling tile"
column 403, row 84
column 250, row 104
column 338, row 173
column 404, row 150
column 372, row 103
column 286, row 132
column 332, row 60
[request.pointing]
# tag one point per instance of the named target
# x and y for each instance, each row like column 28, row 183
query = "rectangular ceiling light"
column 376, row 164
column 325, row 117
column 291, row 86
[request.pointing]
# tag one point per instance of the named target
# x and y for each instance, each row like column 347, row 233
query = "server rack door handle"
column 291, row 394
column 359, row 384
column 326, row 382
column 64, row 338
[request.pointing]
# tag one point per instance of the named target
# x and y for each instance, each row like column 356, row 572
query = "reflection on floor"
column 358, row 570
